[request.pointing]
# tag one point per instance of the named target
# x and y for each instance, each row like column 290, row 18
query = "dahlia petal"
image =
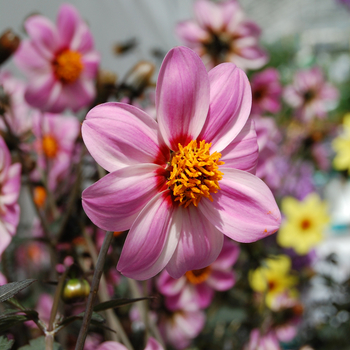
column 228, row 255
column 230, row 104
column 113, row 202
column 168, row 285
column 151, row 240
column 118, row 135
column 80, row 94
column 244, row 209
column 90, row 61
column 39, row 91
column 10, row 188
column 242, row 153
column 43, row 35
column 30, row 60
column 209, row 15
column 68, row 19
column 190, row 32
column 204, row 294
column 83, row 40
column 152, row 344
column 10, row 218
column 221, row 280
column 5, row 238
column 182, row 97
column 199, row 244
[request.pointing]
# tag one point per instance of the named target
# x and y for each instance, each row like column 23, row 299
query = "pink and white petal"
column 209, row 15
column 90, row 61
column 228, row 256
column 39, row 90
column 168, row 285
column 151, row 240
column 199, row 244
column 80, row 94
column 111, row 345
column 152, row 344
column 83, row 40
column 182, row 97
column 118, row 135
column 230, row 104
column 190, row 32
column 114, row 202
column 221, row 280
column 68, row 20
column 11, row 187
column 11, row 218
column 204, row 294
column 43, row 35
column 5, row 238
column 233, row 15
column 243, row 152
column 30, row 60
column 244, row 209
column 185, row 299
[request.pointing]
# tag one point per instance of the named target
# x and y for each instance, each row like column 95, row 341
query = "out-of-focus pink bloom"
column 345, row 3
column 152, row 344
column 3, row 279
column 165, row 184
column 196, row 288
column 54, row 145
column 321, row 155
column 18, row 114
column 268, row 139
column 258, row 341
column 310, row 95
column 93, row 340
column 60, row 61
column 179, row 328
column 43, row 307
column 222, row 33
column 10, row 183
column 267, row 91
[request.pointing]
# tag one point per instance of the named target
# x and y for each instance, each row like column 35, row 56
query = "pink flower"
column 310, row 94
column 167, row 182
column 179, row 328
column 259, row 341
column 60, row 61
column 196, row 288
column 54, row 145
column 152, row 344
column 3, row 279
column 10, row 183
column 18, row 113
column 267, row 91
column 221, row 33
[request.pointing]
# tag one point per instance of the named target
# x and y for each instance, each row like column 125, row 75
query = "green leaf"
column 5, row 344
column 116, row 303
column 8, row 290
column 12, row 318
column 39, row 344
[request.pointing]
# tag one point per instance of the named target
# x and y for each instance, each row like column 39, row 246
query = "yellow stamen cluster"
column 50, row 146
column 68, row 66
column 198, row 276
column 195, row 173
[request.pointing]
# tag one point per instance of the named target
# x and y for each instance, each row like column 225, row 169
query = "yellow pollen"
column 50, row 146
column 198, row 276
column 68, row 66
column 194, row 173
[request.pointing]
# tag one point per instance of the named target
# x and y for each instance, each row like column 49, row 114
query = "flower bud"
column 9, row 43
column 75, row 290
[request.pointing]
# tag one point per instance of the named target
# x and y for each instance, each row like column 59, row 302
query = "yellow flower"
column 304, row 224
column 273, row 278
column 341, row 145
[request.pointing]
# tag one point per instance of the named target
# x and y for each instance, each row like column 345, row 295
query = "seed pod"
column 75, row 290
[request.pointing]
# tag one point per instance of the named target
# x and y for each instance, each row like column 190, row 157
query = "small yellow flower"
column 341, row 145
column 273, row 278
column 304, row 224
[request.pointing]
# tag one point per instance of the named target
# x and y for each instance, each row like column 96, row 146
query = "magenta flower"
column 221, row 33
column 10, row 184
column 179, row 328
column 54, row 145
column 152, row 344
column 310, row 95
column 267, row 91
column 196, row 288
column 260, row 341
column 60, row 61
column 168, row 182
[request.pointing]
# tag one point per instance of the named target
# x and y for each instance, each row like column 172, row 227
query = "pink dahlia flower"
column 196, row 288
column 267, row 91
column 10, row 184
column 259, row 341
column 60, row 61
column 18, row 114
column 310, row 95
column 152, row 344
column 168, row 183
column 179, row 328
column 54, row 145
column 222, row 33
